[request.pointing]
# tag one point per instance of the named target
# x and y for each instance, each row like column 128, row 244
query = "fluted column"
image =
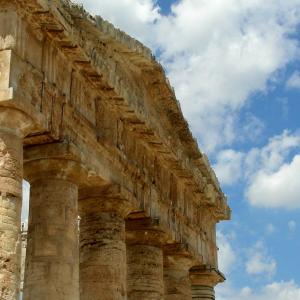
column 102, row 247
column 144, row 259
column 52, row 261
column 203, row 281
column 14, row 125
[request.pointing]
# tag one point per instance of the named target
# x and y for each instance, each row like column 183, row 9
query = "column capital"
column 15, row 121
column 57, row 161
column 206, row 276
column 145, row 231
column 105, row 198
column 179, row 256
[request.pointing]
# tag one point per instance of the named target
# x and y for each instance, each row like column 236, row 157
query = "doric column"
column 14, row 125
column 203, row 281
column 177, row 262
column 102, row 246
column 144, row 259
column 52, row 261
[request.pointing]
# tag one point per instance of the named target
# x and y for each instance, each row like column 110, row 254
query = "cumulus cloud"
column 283, row 290
column 273, row 179
column 227, row 256
column 270, row 173
column 210, row 50
column 278, row 189
column 229, row 166
column 136, row 17
column 215, row 66
column 259, row 262
column 294, row 81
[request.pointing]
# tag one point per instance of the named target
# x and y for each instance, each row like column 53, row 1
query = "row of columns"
column 111, row 259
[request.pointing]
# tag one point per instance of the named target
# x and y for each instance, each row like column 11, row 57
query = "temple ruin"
column 89, row 119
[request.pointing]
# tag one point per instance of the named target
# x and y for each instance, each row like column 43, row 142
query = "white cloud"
column 294, row 81
column 284, row 290
column 136, row 17
column 228, row 166
column 276, row 151
column 270, row 174
column 215, row 66
column 226, row 254
column 277, row 189
column 252, row 129
column 210, row 49
column 259, row 262
column 292, row 225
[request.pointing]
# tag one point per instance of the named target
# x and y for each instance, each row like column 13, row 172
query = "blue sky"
column 234, row 65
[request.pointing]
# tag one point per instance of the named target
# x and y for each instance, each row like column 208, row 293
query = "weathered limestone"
column 52, row 261
column 13, row 126
column 102, row 246
column 177, row 263
column 144, row 259
column 203, row 281
column 105, row 115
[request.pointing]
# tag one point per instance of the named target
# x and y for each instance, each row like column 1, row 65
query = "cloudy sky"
column 234, row 65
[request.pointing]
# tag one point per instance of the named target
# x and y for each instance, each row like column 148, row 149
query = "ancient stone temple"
column 89, row 119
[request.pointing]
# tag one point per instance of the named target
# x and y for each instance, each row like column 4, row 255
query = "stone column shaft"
column 177, row 284
column 11, row 166
column 177, row 262
column 102, row 249
column 144, row 261
column 203, row 280
column 52, row 271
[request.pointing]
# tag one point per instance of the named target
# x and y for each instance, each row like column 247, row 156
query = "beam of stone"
column 177, row 263
column 14, row 125
column 144, row 259
column 102, row 247
column 203, row 281
column 52, row 261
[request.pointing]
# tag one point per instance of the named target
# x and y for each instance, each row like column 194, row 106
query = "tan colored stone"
column 13, row 125
column 102, row 247
column 144, row 242
column 177, row 263
column 203, row 281
column 104, row 116
column 52, row 258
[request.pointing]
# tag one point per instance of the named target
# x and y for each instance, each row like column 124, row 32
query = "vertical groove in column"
column 11, row 166
column 202, row 292
column 102, row 250
column 52, row 249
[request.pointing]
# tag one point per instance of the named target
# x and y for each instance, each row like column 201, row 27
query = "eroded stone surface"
column 93, row 109
column 203, row 280
column 144, row 260
column 51, row 271
column 202, row 292
column 10, row 212
column 102, row 249
column 176, row 276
